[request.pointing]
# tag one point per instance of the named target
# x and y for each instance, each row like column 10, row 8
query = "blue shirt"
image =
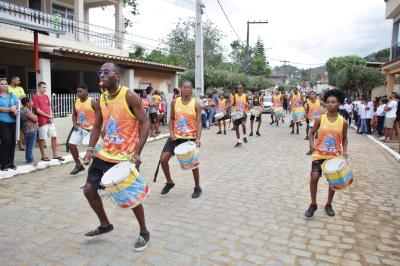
column 6, row 101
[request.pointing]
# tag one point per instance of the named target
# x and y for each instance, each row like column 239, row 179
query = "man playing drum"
column 256, row 105
column 331, row 143
column 240, row 103
column 277, row 102
column 124, row 127
column 83, row 116
column 185, row 125
column 313, row 111
column 296, row 103
column 222, row 107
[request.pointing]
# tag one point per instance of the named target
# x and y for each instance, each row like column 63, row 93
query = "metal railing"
column 63, row 104
column 72, row 29
column 396, row 51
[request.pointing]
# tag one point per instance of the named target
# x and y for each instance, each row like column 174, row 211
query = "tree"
column 336, row 64
column 134, row 5
column 306, row 75
column 181, row 43
column 238, row 54
column 138, row 52
column 160, row 57
column 258, row 62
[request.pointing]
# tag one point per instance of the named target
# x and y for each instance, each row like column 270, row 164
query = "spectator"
column 176, row 94
column 348, row 111
column 45, row 118
column 390, row 117
column 211, row 110
column 356, row 106
column 380, row 115
column 20, row 93
column 368, row 116
column 30, row 128
column 152, row 111
column 362, row 112
column 204, row 104
column 157, row 101
column 145, row 101
column 8, row 113
column 397, row 122
column 161, row 113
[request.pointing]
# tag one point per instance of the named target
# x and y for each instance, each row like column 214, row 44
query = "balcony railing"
column 396, row 51
column 15, row 16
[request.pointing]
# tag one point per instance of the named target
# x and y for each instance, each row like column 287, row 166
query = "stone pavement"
column 251, row 211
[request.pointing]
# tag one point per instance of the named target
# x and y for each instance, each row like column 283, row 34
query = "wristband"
column 90, row 149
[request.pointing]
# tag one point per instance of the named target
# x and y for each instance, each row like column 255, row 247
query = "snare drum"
column 255, row 112
column 188, row 155
column 279, row 112
column 298, row 114
column 338, row 173
column 219, row 116
column 237, row 115
column 125, row 185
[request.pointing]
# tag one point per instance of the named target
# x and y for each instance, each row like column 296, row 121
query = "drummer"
column 331, row 143
column 255, row 104
column 296, row 101
column 277, row 102
column 124, row 127
column 83, row 116
column 313, row 111
column 185, row 125
column 222, row 107
column 240, row 103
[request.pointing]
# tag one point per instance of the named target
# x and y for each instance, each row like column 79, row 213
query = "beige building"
column 70, row 49
column 392, row 68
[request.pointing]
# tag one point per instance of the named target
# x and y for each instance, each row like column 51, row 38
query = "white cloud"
column 309, row 31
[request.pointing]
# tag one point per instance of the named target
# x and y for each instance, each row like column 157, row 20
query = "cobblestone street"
column 251, row 211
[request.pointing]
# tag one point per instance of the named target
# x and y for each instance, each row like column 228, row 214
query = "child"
column 331, row 143
column 30, row 127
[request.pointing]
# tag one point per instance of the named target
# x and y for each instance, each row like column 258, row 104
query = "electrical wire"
column 226, row 16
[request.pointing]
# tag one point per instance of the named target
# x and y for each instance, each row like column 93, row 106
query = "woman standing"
column 8, row 113
column 380, row 114
column 30, row 128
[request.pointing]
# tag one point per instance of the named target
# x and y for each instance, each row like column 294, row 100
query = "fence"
column 63, row 104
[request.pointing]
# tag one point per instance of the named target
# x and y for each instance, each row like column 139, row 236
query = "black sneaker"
column 77, row 169
column 251, row 134
column 310, row 212
column 238, row 144
column 141, row 242
column 3, row 168
column 272, row 122
column 309, row 153
column 292, row 132
column 224, row 132
column 329, row 210
column 219, row 133
column 196, row 192
column 12, row 166
column 306, row 138
column 233, row 128
column 99, row 230
column 245, row 140
column 297, row 132
column 167, row 188
column 258, row 134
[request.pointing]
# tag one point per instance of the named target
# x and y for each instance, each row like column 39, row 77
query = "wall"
column 391, row 6
column 378, row 91
column 158, row 80
column 63, row 127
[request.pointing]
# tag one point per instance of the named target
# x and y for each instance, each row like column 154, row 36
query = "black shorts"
column 316, row 166
column 238, row 122
column 96, row 172
column 171, row 144
column 153, row 118
column 258, row 118
column 307, row 121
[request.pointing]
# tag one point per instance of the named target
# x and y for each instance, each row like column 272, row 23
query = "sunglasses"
column 105, row 72
column 1, row 79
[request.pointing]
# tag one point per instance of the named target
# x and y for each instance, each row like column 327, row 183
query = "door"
column 35, row 4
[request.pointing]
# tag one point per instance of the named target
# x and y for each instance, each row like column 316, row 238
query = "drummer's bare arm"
column 345, row 140
column 171, row 121
column 74, row 118
column 198, row 124
column 94, row 134
column 136, row 106
column 312, row 133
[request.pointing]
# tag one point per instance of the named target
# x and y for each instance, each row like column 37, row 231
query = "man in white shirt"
column 348, row 107
column 368, row 116
column 357, row 120
column 361, row 125
column 390, row 117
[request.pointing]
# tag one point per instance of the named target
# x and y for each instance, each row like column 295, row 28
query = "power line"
column 237, row 35
column 294, row 63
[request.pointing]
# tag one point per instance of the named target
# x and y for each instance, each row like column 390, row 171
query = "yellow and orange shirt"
column 277, row 101
column 329, row 142
column 296, row 101
column 314, row 109
column 120, row 129
column 85, row 113
column 241, row 103
column 222, row 105
column 185, row 119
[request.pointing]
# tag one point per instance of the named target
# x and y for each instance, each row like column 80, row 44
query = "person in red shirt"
column 45, row 118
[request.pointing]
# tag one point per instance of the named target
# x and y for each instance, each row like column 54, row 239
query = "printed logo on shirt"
column 112, row 132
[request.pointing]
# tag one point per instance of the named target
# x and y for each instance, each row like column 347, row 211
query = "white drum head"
column 117, row 173
column 334, row 164
column 185, row 148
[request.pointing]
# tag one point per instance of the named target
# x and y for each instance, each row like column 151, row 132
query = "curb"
column 382, row 145
column 27, row 168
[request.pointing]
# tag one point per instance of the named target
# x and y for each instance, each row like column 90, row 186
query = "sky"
column 304, row 32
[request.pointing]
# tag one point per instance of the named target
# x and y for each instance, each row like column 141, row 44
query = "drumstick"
column 156, row 173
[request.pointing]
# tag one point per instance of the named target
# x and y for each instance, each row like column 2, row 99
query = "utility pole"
column 199, row 60
column 248, row 40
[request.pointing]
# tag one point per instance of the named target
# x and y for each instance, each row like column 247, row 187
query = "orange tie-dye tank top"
column 241, row 103
column 185, row 119
column 120, row 129
column 222, row 106
column 85, row 113
column 314, row 109
column 329, row 143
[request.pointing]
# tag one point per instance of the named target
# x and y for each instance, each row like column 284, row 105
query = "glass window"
column 63, row 11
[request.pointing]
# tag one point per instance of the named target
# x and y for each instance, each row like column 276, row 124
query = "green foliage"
column 306, row 75
column 336, row 64
column 159, row 57
column 380, row 56
column 134, row 5
column 138, row 52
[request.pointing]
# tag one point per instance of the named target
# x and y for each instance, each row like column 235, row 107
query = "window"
column 63, row 11
column 35, row 4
